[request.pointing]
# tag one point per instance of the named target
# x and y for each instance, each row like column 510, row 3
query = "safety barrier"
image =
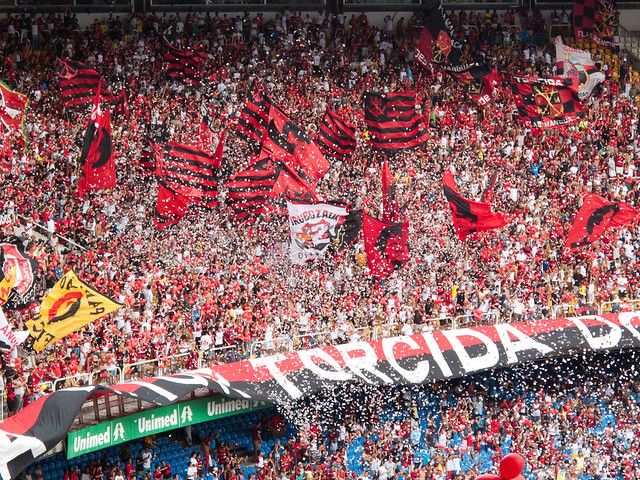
column 575, row 310
column 289, row 343
column 45, row 233
column 105, row 376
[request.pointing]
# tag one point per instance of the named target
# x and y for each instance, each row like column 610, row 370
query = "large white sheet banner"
column 313, row 227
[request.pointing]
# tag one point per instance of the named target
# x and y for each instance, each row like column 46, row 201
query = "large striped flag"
column 336, row 138
column 79, row 84
column 392, row 121
column 253, row 122
column 186, row 176
column 263, row 187
column 251, row 190
column 184, row 65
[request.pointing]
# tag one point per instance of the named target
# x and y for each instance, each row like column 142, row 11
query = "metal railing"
column 56, row 5
column 289, row 343
column 161, row 366
column 575, row 309
column 104, row 376
column 45, row 233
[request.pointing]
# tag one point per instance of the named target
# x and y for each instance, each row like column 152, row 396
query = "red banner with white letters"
column 417, row 359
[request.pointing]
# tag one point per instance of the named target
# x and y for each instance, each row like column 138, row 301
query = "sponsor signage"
column 155, row 421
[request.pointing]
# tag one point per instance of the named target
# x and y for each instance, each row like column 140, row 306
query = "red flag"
column 470, row 216
column 288, row 143
column 487, row 195
column 386, row 246
column 595, row 216
column 205, row 137
column 389, row 200
column 96, row 158
column 219, row 149
column 122, row 104
column 170, row 207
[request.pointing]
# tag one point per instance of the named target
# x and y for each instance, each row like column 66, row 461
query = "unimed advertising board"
column 154, row 421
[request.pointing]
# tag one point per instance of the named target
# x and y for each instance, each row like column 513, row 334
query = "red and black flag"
column 79, row 84
column 386, row 245
column 479, row 81
column 156, row 135
column 253, row 122
column 183, row 65
column 437, row 42
column 263, row 187
column 190, row 172
column 596, row 216
column 347, row 231
column 390, row 209
column 547, row 102
column 288, row 143
column 251, row 192
column 469, row 216
column 96, row 156
column 186, row 176
column 336, row 138
column 392, row 121
column 170, row 206
column 121, row 106
column 597, row 20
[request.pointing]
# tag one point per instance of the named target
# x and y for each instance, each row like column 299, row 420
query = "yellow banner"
column 6, row 284
column 68, row 306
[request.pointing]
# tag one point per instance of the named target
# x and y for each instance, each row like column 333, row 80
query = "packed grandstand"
column 393, row 249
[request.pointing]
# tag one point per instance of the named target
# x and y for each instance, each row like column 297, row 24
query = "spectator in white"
column 147, row 456
column 518, row 310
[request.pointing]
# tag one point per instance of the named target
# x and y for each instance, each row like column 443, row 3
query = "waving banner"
column 595, row 217
column 438, row 42
column 19, row 273
column 547, row 102
column 313, row 229
column 69, row 305
column 422, row 358
column 576, row 63
column 597, row 20
column 468, row 215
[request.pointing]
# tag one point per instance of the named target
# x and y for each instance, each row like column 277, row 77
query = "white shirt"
column 146, row 457
column 192, row 472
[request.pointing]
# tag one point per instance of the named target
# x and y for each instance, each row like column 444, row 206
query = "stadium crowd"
column 213, row 282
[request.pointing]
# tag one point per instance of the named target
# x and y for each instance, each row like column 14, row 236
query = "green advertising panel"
column 154, row 421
